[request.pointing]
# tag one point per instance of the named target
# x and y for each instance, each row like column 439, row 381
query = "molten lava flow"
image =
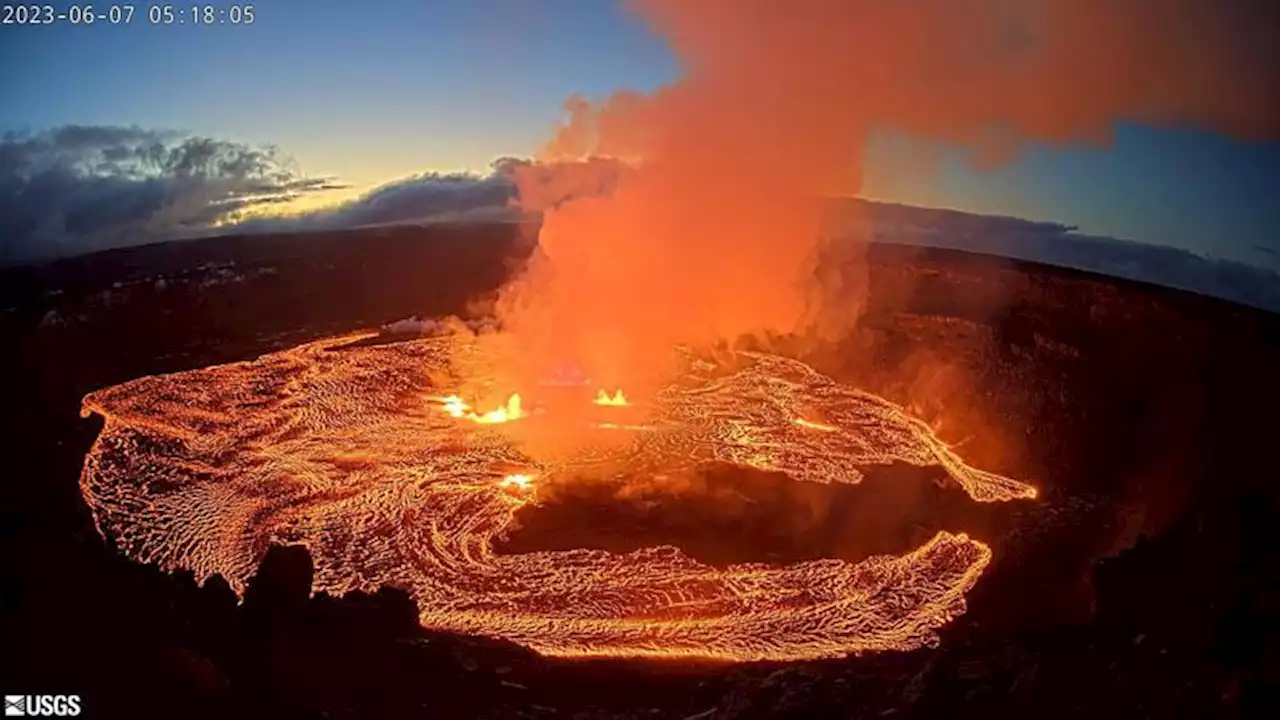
column 328, row 446
column 510, row 411
column 621, row 426
column 457, row 407
column 521, row 481
column 815, row 426
column 616, row 400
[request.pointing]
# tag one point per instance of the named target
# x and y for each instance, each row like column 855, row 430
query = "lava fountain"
column 350, row 450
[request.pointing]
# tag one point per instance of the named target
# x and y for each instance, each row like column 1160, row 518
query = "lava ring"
column 338, row 446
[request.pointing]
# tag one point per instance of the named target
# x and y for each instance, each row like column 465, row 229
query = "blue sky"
column 377, row 91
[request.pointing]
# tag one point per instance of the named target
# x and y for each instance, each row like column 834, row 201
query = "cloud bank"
column 514, row 187
column 77, row 188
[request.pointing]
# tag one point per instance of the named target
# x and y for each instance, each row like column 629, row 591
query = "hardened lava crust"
column 358, row 453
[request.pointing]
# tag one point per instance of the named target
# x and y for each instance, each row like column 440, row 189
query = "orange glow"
column 715, row 229
column 457, row 407
column 521, row 481
column 617, row 400
column 815, row 426
column 194, row 470
column 510, row 411
column 621, row 426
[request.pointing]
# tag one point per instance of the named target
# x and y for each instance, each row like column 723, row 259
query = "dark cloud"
column 514, row 186
column 79, row 188
column 423, row 198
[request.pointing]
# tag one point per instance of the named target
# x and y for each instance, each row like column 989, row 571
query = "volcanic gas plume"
column 714, row 231
column 390, row 478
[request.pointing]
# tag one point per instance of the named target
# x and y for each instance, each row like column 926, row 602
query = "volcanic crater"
column 1133, row 409
column 769, row 542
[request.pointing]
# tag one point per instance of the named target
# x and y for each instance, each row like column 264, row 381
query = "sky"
column 373, row 92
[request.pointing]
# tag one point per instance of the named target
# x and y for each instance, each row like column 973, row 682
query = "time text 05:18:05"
column 120, row 14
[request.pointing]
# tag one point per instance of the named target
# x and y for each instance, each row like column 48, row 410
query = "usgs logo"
column 41, row 705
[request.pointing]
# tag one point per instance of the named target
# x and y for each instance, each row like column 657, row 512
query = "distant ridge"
column 1057, row 244
column 1047, row 243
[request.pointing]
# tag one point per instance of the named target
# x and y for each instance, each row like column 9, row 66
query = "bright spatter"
column 390, row 481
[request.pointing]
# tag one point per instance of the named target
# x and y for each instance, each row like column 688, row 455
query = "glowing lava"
column 616, row 400
column 329, row 446
column 815, row 426
column 520, row 481
column 457, row 407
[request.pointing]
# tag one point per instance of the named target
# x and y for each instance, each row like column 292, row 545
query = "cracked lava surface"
column 391, row 480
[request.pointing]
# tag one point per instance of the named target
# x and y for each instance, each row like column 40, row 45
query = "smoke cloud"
column 715, row 232
column 513, row 187
column 76, row 188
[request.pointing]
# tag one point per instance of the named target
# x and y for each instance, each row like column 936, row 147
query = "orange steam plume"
column 713, row 232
